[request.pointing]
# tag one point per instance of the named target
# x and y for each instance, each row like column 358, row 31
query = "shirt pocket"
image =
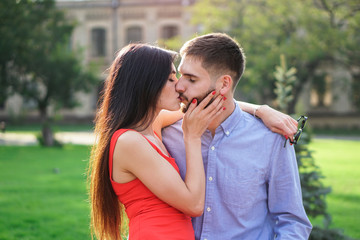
column 240, row 188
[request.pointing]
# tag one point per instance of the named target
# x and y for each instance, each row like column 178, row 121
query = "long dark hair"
column 132, row 88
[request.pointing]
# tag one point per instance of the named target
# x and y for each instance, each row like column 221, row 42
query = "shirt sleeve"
column 284, row 194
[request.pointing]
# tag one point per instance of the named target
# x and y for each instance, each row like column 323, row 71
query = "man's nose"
column 179, row 86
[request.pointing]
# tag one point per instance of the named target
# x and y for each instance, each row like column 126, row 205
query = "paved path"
column 87, row 138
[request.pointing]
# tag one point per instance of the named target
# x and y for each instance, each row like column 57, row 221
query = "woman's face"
column 169, row 98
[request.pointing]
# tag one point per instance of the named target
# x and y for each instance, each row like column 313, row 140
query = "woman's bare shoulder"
column 130, row 140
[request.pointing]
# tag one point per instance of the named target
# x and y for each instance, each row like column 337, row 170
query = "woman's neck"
column 149, row 130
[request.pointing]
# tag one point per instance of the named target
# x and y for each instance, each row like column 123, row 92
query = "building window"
column 99, row 91
column 98, row 42
column 134, row 34
column 321, row 94
column 169, row 32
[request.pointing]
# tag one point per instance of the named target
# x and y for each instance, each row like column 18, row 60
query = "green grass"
column 339, row 161
column 38, row 203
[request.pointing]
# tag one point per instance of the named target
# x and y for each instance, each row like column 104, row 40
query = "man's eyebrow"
column 189, row 75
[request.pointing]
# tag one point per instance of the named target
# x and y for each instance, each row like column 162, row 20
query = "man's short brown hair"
column 219, row 53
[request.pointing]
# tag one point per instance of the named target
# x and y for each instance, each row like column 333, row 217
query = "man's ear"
column 225, row 84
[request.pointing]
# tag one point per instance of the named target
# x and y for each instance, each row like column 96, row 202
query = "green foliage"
column 313, row 190
column 36, row 60
column 310, row 32
column 285, row 79
column 330, row 234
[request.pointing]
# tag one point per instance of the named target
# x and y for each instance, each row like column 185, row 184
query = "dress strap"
column 114, row 138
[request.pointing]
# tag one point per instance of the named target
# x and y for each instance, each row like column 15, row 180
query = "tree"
column 313, row 191
column 285, row 79
column 311, row 33
column 38, row 62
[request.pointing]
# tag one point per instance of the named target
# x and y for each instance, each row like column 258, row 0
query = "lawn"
column 43, row 190
column 339, row 162
column 43, row 193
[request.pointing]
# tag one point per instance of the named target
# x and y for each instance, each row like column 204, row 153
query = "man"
column 253, row 188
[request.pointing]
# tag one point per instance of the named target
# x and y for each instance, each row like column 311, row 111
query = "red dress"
column 150, row 218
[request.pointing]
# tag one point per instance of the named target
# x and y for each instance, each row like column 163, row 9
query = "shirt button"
column 213, row 148
column 208, row 209
column 210, row 179
column 227, row 133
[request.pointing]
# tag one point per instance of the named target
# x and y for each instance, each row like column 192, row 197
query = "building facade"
column 102, row 28
column 105, row 26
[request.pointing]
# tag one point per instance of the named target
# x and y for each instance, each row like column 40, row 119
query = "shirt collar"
column 232, row 121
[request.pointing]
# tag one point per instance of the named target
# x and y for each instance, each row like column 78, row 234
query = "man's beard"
column 199, row 99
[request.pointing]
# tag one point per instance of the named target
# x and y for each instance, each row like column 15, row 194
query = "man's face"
column 195, row 81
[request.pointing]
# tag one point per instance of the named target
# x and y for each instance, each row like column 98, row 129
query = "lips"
column 183, row 99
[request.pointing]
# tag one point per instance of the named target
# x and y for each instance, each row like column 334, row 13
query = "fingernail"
column 224, row 108
column 291, row 144
column 194, row 100
column 286, row 136
column 213, row 93
column 225, row 98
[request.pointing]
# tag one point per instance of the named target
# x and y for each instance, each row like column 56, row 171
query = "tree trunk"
column 3, row 84
column 47, row 133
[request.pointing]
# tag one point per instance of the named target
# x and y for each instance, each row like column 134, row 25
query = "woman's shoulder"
column 129, row 138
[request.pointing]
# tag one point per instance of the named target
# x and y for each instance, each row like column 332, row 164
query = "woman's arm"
column 166, row 118
column 276, row 121
column 133, row 155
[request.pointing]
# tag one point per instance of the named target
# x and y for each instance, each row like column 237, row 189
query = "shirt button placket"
column 207, row 217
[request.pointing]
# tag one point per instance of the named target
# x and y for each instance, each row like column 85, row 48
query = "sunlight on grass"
column 43, row 193
column 43, row 190
column 339, row 161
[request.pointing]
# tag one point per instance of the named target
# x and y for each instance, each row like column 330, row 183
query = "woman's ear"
column 225, row 84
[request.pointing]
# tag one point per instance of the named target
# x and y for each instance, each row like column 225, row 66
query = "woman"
column 130, row 165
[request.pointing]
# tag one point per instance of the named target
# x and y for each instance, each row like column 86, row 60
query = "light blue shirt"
column 252, row 189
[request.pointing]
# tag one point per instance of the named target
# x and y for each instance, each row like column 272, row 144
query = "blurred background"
column 303, row 58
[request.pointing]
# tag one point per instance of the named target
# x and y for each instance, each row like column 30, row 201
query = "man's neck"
column 230, row 107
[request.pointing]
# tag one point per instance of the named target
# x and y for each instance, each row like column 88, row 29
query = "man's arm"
column 284, row 194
